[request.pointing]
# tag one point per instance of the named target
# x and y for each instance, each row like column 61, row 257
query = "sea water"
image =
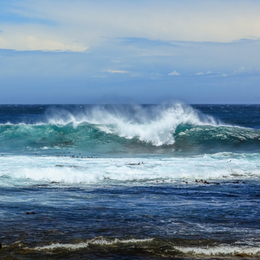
column 168, row 181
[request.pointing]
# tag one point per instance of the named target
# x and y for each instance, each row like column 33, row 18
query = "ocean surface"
column 170, row 181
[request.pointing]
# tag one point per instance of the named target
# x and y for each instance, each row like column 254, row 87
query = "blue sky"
column 129, row 51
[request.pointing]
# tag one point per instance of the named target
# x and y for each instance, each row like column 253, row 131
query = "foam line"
column 221, row 250
column 95, row 241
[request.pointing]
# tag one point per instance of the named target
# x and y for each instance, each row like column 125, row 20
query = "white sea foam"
column 96, row 241
column 30, row 169
column 223, row 250
column 155, row 124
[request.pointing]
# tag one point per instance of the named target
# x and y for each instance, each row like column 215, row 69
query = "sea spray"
column 153, row 124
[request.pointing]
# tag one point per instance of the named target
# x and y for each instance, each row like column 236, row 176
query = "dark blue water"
column 129, row 182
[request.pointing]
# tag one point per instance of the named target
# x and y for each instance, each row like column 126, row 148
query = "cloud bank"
column 77, row 25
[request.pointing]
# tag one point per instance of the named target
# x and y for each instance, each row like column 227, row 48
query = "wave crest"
column 154, row 124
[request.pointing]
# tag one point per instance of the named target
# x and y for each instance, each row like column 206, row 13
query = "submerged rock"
column 30, row 213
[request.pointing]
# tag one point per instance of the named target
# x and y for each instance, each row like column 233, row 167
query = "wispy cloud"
column 199, row 73
column 95, row 22
column 99, row 76
column 174, row 73
column 117, row 71
column 155, row 75
column 243, row 70
column 34, row 40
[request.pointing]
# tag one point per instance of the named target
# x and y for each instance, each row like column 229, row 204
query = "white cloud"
column 209, row 72
column 174, row 73
column 199, row 73
column 224, row 75
column 79, row 24
column 32, row 40
column 116, row 71
column 242, row 70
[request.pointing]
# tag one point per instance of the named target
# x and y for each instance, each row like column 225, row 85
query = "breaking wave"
column 118, row 128
column 154, row 124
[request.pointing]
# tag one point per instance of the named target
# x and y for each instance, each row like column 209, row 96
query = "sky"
column 122, row 51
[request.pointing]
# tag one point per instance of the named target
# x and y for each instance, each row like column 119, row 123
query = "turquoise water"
column 129, row 181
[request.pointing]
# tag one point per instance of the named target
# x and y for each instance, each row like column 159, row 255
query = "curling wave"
column 120, row 128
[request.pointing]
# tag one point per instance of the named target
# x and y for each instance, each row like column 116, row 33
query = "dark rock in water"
column 202, row 181
column 133, row 164
column 243, row 255
column 59, row 165
column 145, row 216
column 0, row 245
column 30, row 213
column 235, row 181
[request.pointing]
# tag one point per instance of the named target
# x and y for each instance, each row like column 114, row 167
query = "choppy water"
column 129, row 181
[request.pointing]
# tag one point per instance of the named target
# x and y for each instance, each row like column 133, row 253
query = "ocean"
column 169, row 181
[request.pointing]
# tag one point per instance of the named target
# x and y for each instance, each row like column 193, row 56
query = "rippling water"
column 129, row 181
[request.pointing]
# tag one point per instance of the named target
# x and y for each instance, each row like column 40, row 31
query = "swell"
column 220, row 138
column 108, row 138
column 127, row 128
